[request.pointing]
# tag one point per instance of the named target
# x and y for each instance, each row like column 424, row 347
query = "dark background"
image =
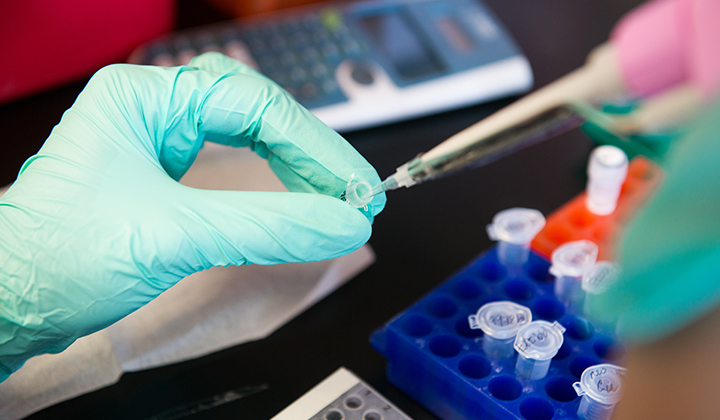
column 423, row 236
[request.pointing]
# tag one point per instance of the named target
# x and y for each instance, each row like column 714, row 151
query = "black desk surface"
column 423, row 236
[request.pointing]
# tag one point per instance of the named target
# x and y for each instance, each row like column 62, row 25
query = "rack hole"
column 467, row 289
column 538, row 271
column 581, row 218
column 578, row 328
column 505, row 388
column 564, row 351
column 560, row 388
column 520, row 289
column 558, row 234
column 536, row 409
column 416, row 326
column 334, row 415
column 549, row 309
column 474, row 366
column 442, row 307
column 353, row 403
column 579, row 364
column 372, row 415
column 491, row 271
column 462, row 327
column 608, row 349
column 445, row 346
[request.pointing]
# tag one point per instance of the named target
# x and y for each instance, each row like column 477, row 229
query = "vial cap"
column 603, row 383
column 539, row 340
column 501, row 320
column 516, row 225
column 608, row 164
column 573, row 258
column 600, row 276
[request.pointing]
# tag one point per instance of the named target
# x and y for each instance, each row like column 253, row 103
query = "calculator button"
column 351, row 48
column 184, row 56
column 298, row 75
column 320, row 71
column 240, row 52
column 277, row 43
column 310, row 55
column 288, row 59
column 331, row 52
column 308, row 90
column 330, row 86
column 211, row 47
column 163, row 60
column 362, row 74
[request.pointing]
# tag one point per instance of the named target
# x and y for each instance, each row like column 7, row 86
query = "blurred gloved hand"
column 653, row 145
column 671, row 252
column 97, row 225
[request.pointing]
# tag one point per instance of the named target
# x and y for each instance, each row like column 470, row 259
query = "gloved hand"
column 97, row 225
column 671, row 253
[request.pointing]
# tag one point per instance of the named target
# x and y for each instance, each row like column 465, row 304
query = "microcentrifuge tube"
column 500, row 322
column 600, row 387
column 607, row 170
column 515, row 228
column 569, row 262
column 537, row 343
column 359, row 193
column 597, row 280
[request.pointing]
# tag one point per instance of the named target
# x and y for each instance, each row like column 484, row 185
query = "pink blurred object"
column 665, row 43
column 46, row 43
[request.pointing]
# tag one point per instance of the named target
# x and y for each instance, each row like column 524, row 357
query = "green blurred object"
column 653, row 145
column 97, row 225
column 670, row 254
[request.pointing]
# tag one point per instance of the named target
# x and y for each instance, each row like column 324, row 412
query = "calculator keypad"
column 300, row 53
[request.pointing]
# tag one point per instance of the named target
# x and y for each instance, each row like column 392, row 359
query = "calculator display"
column 401, row 44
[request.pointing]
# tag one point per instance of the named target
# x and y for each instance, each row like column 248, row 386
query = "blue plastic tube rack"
column 434, row 356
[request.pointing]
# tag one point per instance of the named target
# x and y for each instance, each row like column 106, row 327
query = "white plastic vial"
column 500, row 322
column 607, row 171
column 537, row 343
column 569, row 262
column 515, row 229
column 601, row 388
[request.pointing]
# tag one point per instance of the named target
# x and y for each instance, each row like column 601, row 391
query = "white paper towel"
column 203, row 313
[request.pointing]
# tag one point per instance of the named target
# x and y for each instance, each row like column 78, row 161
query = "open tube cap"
column 539, row 340
column 602, row 383
column 516, row 225
column 573, row 258
column 501, row 320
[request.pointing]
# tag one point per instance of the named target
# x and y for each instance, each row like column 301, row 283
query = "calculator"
column 361, row 64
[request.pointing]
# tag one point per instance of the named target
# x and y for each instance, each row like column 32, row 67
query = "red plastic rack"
column 574, row 221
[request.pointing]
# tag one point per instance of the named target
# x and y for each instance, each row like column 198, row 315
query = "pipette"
column 667, row 49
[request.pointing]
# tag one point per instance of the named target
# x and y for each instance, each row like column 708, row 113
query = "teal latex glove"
column 97, row 225
column 671, row 253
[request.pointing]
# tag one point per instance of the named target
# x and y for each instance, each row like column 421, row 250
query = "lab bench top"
column 423, row 236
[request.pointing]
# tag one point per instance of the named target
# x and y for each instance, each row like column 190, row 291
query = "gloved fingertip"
column 220, row 63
